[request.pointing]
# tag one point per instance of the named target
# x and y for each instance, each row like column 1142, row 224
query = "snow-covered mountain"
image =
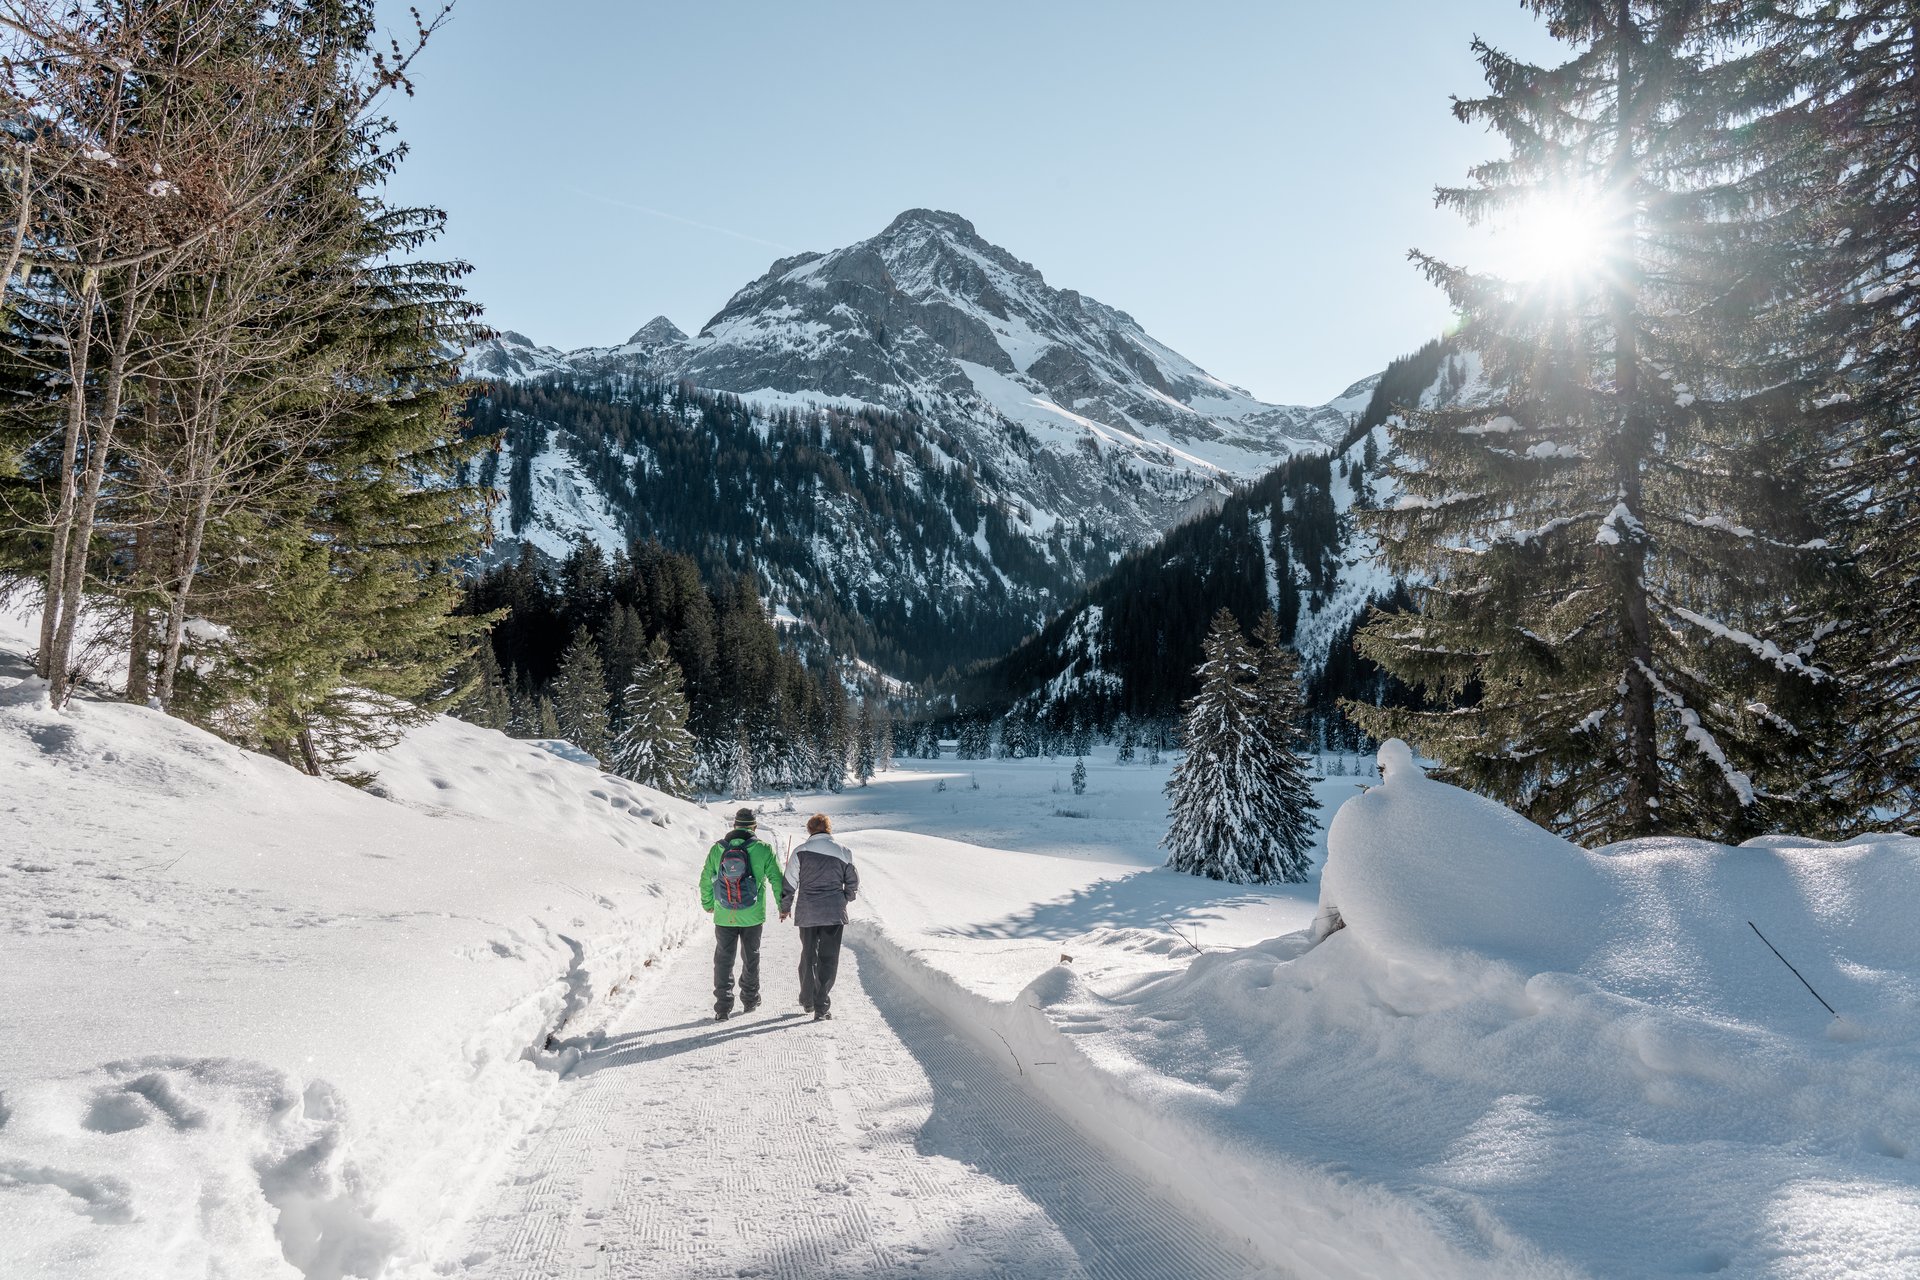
column 1290, row 542
column 1046, row 431
column 1070, row 400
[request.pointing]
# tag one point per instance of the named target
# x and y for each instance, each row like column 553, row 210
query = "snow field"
column 264, row 1025
column 1442, row 1088
column 1515, row 1058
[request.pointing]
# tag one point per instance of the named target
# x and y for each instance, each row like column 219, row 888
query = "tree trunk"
column 1642, row 798
column 193, row 534
column 308, row 756
column 20, row 225
column 80, row 539
column 191, row 538
column 78, row 351
column 140, row 627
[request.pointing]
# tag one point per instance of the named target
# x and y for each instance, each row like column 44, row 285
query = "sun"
column 1557, row 238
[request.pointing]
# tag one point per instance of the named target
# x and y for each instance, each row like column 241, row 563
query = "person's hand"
column 784, row 915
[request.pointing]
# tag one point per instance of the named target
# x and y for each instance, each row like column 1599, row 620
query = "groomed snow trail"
column 879, row 1144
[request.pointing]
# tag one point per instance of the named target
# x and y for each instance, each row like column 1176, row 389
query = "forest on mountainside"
column 1154, row 609
column 568, row 638
column 877, row 527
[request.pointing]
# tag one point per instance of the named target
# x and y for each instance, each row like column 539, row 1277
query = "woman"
column 820, row 882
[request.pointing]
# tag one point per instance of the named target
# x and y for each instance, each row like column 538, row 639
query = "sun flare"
column 1558, row 239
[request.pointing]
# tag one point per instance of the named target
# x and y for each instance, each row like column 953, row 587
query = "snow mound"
column 1429, row 869
column 266, row 1025
column 1420, row 870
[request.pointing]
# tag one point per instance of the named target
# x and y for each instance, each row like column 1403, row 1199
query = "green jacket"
column 766, row 869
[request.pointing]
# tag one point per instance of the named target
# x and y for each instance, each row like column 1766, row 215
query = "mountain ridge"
column 1029, row 434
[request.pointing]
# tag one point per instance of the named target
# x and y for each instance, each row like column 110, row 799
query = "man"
column 821, row 881
column 740, row 873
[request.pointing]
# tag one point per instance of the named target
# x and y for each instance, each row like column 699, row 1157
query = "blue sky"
column 1244, row 178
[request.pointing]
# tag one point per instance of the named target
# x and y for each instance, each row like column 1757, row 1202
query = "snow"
column 270, row 1026
column 1515, row 1058
column 321, row 1009
column 567, row 506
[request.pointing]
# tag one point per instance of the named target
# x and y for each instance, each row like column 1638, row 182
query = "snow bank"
column 1518, row 1057
column 264, row 1025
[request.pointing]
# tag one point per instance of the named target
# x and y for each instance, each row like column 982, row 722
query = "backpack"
column 735, row 887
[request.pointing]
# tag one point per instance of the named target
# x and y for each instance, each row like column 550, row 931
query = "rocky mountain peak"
column 1069, row 401
column 657, row 332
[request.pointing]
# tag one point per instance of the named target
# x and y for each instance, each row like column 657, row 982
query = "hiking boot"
column 805, row 1007
column 721, row 1015
column 821, row 1015
column 748, row 1006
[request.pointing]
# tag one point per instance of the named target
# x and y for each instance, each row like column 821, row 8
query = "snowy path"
column 877, row 1145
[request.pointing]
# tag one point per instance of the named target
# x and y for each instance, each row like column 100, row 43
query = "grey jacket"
column 821, row 874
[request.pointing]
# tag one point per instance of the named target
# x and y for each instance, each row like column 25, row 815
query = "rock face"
column 1066, row 403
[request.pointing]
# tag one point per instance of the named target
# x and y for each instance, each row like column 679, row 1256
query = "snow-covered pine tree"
column 653, row 746
column 882, row 737
column 580, row 697
column 837, row 736
column 866, row 742
column 1079, row 777
column 1282, row 708
column 1224, row 802
column 1622, row 552
column 548, row 722
column 1844, row 147
column 740, row 776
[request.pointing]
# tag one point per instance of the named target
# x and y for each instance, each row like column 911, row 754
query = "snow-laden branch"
column 1766, row 650
column 1702, row 738
column 1720, row 524
column 1620, row 518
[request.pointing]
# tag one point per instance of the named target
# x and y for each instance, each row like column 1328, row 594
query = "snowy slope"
column 264, row 1025
column 1517, row 1058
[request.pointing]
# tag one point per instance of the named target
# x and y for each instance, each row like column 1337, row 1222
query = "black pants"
column 819, row 964
column 728, row 938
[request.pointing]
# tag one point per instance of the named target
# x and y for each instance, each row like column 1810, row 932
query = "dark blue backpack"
column 735, row 887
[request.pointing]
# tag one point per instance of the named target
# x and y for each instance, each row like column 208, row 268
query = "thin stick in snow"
column 1010, row 1053
column 1796, row 973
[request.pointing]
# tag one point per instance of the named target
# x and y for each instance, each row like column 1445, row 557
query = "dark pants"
column 728, row 938
column 819, row 964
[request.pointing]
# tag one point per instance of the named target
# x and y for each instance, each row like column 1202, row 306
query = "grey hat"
column 745, row 820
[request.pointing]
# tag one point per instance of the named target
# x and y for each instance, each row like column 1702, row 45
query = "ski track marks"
column 880, row 1144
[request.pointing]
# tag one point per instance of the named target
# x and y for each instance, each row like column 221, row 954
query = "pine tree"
column 1226, row 810
column 487, row 703
column 1623, row 556
column 653, row 746
column 1281, row 715
column 523, row 708
column 1843, row 149
column 836, row 735
column 740, row 774
column 867, row 742
column 548, row 719
column 580, row 697
column 1079, row 777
